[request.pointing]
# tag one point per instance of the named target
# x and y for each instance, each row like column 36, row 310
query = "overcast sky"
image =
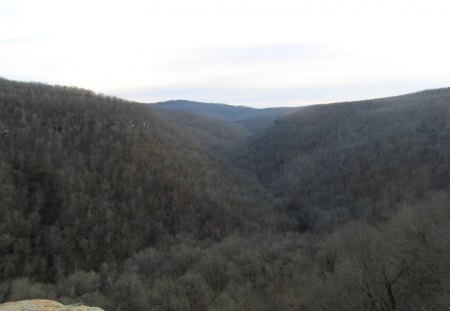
column 252, row 52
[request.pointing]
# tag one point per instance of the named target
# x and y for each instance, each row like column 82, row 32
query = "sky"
column 259, row 53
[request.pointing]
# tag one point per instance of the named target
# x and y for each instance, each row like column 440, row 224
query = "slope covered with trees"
column 88, row 179
column 211, row 133
column 331, row 163
column 130, row 207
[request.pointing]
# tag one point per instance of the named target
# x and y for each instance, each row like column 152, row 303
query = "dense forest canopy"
column 354, row 160
column 193, row 206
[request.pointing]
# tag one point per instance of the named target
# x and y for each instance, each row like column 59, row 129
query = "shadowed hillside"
column 341, row 161
column 73, row 163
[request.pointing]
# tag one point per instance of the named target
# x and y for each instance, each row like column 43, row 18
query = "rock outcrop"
column 43, row 305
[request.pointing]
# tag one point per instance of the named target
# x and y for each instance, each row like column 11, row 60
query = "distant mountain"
column 250, row 118
column 352, row 160
column 218, row 111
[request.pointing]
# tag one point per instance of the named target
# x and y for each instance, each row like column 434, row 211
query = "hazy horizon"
column 253, row 53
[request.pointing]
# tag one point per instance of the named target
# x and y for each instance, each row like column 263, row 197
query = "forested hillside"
column 128, row 207
column 208, row 132
column 358, row 160
column 88, row 180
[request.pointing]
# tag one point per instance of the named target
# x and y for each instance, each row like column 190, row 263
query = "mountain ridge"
column 253, row 119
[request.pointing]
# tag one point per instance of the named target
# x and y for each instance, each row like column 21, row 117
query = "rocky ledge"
column 43, row 305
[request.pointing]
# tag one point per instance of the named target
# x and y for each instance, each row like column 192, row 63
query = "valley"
column 184, row 205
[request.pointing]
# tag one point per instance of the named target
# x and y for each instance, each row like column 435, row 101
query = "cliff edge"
column 43, row 305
